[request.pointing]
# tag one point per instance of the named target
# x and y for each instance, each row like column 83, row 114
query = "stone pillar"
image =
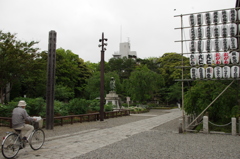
column 234, row 126
column 205, row 125
column 180, row 130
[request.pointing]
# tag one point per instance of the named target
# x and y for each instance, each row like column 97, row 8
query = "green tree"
column 204, row 92
column 144, row 83
column 93, row 84
column 16, row 59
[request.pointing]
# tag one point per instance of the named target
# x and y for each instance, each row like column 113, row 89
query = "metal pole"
column 101, row 113
column 183, row 114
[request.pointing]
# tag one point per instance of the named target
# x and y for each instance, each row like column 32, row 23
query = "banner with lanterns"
column 212, row 36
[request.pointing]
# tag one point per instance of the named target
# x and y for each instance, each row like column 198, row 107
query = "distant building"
column 124, row 50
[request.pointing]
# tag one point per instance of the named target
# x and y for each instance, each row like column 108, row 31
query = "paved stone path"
column 76, row 144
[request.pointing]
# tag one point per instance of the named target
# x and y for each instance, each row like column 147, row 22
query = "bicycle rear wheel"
column 11, row 145
column 37, row 139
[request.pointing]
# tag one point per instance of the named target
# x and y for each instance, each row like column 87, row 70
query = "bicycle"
column 13, row 141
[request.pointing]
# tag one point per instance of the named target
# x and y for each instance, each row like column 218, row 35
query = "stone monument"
column 112, row 97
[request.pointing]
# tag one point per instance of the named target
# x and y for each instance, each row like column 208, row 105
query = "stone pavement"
column 78, row 143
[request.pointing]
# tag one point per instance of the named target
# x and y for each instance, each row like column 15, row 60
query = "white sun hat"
column 22, row 103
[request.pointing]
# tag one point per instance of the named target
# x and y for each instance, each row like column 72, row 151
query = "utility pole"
column 102, row 76
column 51, row 79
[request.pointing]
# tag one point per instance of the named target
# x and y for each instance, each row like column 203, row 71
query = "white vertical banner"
column 234, row 57
column 217, row 58
column 208, row 58
column 218, row 72
column 199, row 19
column 233, row 15
column 235, row 71
column 226, row 58
column 201, row 73
column 209, row 72
column 200, row 46
column 208, row 18
column 233, row 43
column 233, row 30
column 216, row 17
column 193, row 59
column 226, row 72
column 225, row 30
column 192, row 20
column 225, row 44
column 200, row 59
column 224, row 17
column 208, row 46
column 194, row 72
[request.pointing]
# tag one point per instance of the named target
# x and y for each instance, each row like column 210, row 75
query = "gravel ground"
column 163, row 142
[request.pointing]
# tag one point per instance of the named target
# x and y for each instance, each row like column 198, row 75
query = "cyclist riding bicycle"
column 19, row 116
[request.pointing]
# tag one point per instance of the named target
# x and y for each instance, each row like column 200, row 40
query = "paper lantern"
column 192, row 46
column 216, row 17
column 235, row 71
column 200, row 58
column 218, row 72
column 200, row 32
column 193, row 73
column 225, row 44
column 225, row 30
column 224, row 17
column 201, row 73
column 233, row 43
column 209, row 72
column 199, row 19
column 193, row 59
column 233, row 15
column 216, row 31
column 217, row 58
column 208, row 31
column 208, row 45
column 200, row 46
column 208, row 58
column 234, row 57
column 232, row 30
column 208, row 18
column 193, row 33
column 216, row 45
column 226, row 58
column 192, row 20
column 226, row 72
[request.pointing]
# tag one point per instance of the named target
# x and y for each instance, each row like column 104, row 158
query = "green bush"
column 78, row 106
column 6, row 110
column 108, row 107
column 60, row 108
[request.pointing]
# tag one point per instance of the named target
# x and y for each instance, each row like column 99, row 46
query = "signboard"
column 235, row 71
column 209, row 72
column 224, row 17
column 233, row 30
column 226, row 72
column 192, row 46
column 208, row 45
column 225, row 44
column 200, row 32
column 232, row 15
column 233, row 43
column 234, row 57
column 226, row 58
column 216, row 45
column 218, row 72
column 217, row 58
column 216, row 17
column 200, row 59
column 208, row 58
column 201, row 73
column 193, row 73
column 199, row 19
column 193, row 33
column 208, row 32
column 216, row 31
column 192, row 20
column 193, row 59
column 208, row 18
column 225, row 30
column 200, row 45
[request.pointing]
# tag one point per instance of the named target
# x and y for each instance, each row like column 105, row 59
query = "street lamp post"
column 102, row 76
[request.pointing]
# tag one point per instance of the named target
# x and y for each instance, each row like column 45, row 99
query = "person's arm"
column 27, row 117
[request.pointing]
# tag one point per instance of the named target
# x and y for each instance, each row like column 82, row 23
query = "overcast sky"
column 147, row 24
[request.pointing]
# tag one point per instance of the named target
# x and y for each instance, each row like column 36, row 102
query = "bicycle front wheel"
column 11, row 145
column 37, row 139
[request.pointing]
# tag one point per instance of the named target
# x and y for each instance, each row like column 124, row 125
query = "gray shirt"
column 19, row 115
